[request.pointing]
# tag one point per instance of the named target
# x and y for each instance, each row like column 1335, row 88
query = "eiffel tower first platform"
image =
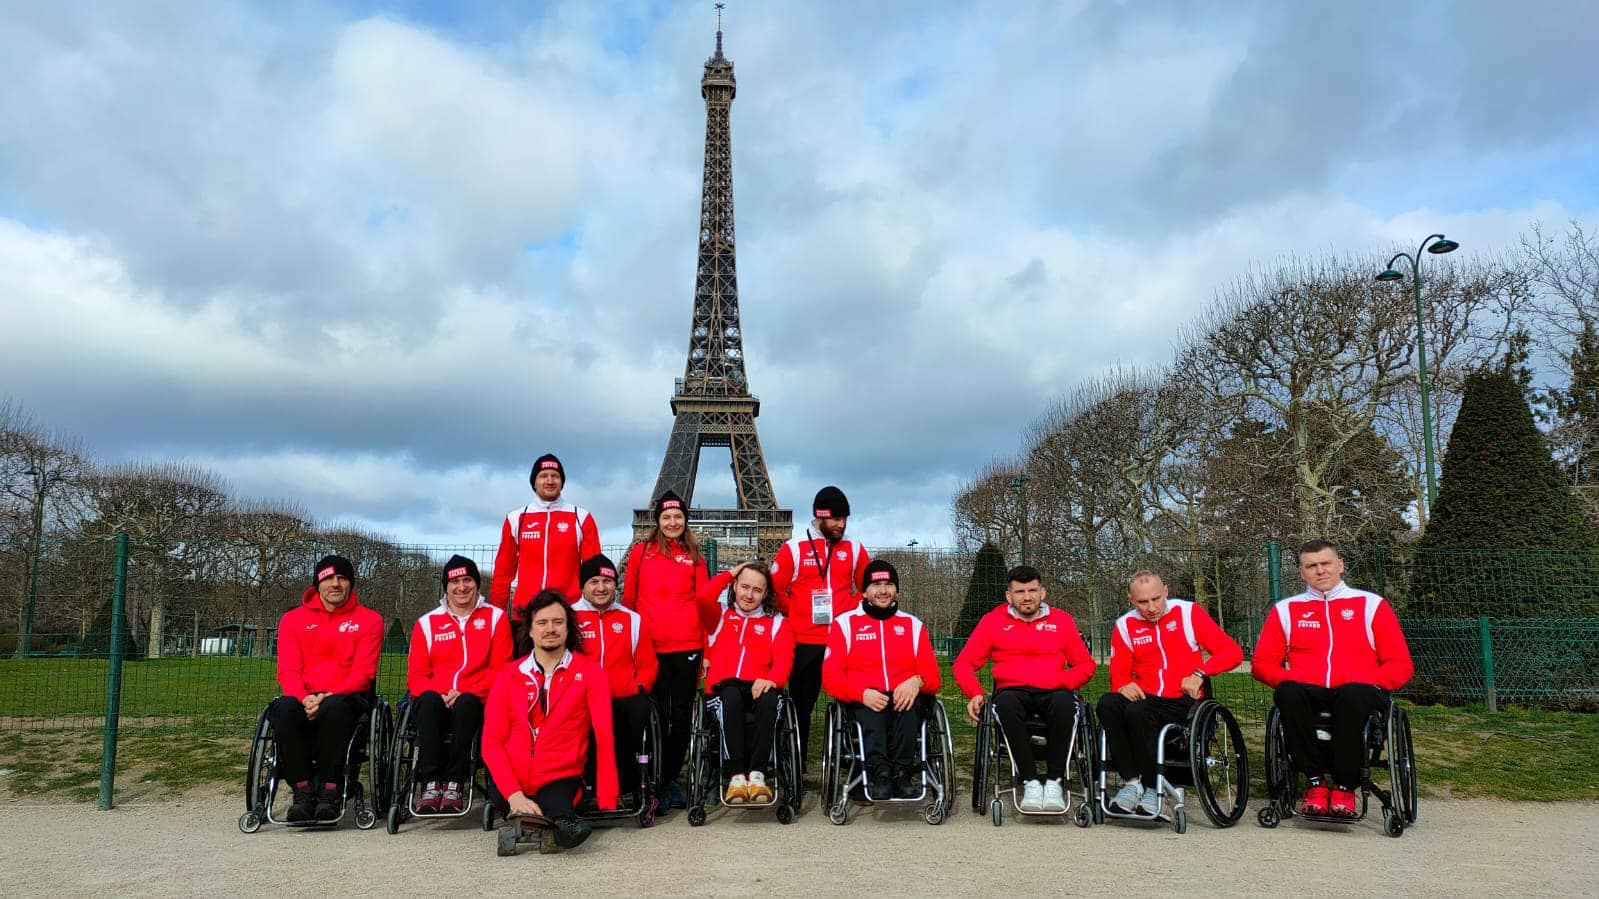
column 712, row 404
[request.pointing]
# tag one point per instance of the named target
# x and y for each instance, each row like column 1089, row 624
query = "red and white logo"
column 1171, row 625
column 1143, row 640
column 1046, row 626
column 454, row 573
column 616, row 627
column 325, row 573
column 349, row 627
column 443, row 636
column 608, row 572
column 823, row 513
column 880, row 576
column 899, row 630
column 562, row 526
column 671, row 504
column 1348, row 614
column 549, row 465
column 760, row 628
column 842, row 555
column 479, row 624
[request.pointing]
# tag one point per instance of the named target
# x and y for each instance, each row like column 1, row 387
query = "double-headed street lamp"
column 42, row 480
column 1020, row 486
column 1439, row 245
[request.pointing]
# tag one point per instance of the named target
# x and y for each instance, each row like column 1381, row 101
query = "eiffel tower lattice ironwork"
column 712, row 404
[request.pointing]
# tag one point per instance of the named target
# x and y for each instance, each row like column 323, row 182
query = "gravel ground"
column 193, row 847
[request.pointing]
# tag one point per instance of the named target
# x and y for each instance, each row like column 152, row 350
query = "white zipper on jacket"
column 545, row 576
column 1326, row 611
column 1161, row 689
column 455, row 682
column 882, row 651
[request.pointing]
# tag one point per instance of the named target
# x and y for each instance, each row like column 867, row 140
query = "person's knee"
column 1061, row 703
column 1111, row 705
column 285, row 709
column 1288, row 693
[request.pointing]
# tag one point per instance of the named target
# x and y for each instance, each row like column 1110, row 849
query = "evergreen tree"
column 398, row 640
column 97, row 639
column 1500, row 490
column 986, row 590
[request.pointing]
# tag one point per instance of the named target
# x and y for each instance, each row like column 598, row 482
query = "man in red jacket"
column 1157, row 671
column 880, row 664
column 1039, row 664
column 1330, row 648
column 617, row 638
column 456, row 650
column 815, row 577
column 544, row 543
column 327, row 663
column 546, row 713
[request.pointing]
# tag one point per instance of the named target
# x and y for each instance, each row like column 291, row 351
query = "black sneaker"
column 570, row 832
column 327, row 803
column 905, row 787
column 881, row 787
column 304, row 807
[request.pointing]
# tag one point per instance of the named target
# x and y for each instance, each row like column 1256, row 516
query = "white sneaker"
column 1127, row 797
column 737, row 790
column 1032, row 797
column 1150, row 803
column 1054, row 797
column 759, row 792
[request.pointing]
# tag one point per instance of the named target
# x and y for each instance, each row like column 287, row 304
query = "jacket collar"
column 1338, row 591
column 1043, row 612
column 444, row 606
column 313, row 599
column 554, row 505
column 583, row 605
column 529, row 666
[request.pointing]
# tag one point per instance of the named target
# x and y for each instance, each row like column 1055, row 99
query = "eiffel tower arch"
column 712, row 404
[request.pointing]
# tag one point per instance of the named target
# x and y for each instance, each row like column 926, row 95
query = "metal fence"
column 185, row 634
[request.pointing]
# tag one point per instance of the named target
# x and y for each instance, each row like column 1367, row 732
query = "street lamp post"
column 1439, row 245
column 1020, row 486
column 41, row 485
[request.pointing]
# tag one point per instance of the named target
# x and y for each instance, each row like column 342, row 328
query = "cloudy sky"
column 374, row 258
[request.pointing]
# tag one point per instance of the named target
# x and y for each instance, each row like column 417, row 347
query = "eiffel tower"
column 712, row 404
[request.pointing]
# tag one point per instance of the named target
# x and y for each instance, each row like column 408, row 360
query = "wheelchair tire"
column 996, row 811
column 790, row 753
column 1219, row 761
column 1280, row 777
column 1393, row 823
column 258, row 776
column 832, row 780
column 1268, row 817
column 1087, row 752
column 1402, row 765
column 488, row 814
column 941, row 763
column 380, row 742
column 1083, row 816
column 696, row 815
column 785, row 815
column 980, row 752
column 249, row 822
column 1179, row 821
column 365, row 817
column 401, row 767
column 393, row 822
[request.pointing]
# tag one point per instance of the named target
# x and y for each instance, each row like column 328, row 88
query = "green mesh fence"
column 202, row 618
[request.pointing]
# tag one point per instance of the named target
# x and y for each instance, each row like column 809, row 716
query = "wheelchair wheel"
column 1402, row 763
column 258, row 776
column 940, row 763
column 703, row 765
column 835, row 773
column 380, row 740
column 1280, row 777
column 401, row 769
column 1087, row 762
column 980, row 752
column 488, row 813
column 788, row 763
column 1219, row 762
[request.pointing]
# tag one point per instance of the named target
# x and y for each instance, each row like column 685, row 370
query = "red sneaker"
column 430, row 799
column 452, row 803
column 1342, row 804
column 1315, row 802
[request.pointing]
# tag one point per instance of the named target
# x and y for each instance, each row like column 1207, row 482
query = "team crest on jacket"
column 562, row 526
column 1349, row 614
column 899, row 630
column 843, row 555
column 478, row 624
column 760, row 628
column 1046, row 626
column 1171, row 625
column 616, row 627
column 349, row 627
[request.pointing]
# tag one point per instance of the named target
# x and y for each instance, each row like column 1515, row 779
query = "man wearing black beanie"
column 544, row 543
column 815, row 578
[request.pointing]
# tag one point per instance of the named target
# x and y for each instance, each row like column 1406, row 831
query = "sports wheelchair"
column 994, row 767
column 369, row 746
column 844, row 775
column 1387, row 745
column 402, row 775
column 1205, row 752
column 705, row 760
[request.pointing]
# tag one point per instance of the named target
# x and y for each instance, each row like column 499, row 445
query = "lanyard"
column 824, row 559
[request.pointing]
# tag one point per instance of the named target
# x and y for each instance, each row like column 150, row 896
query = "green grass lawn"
column 187, row 722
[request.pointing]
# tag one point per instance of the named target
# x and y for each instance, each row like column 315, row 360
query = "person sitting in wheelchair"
column 547, row 712
column 1157, row 671
column 327, row 664
column 1332, row 648
column 1040, row 662
column 617, row 638
column 456, row 649
column 749, row 653
column 879, row 662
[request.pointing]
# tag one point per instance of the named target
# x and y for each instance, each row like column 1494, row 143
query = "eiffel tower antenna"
column 712, row 404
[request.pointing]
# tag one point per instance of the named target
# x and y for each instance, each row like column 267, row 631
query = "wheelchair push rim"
column 1219, row 762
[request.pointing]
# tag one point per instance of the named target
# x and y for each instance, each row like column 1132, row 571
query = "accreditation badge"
column 821, row 607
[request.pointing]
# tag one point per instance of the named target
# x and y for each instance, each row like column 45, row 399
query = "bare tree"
column 39, row 475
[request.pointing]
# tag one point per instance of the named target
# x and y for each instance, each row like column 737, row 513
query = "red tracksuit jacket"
column 746, row 647
column 865, row 653
column 447, row 654
column 619, row 639
column 1339, row 637
column 665, row 590
column 1157, row 655
column 1046, row 652
column 536, row 730
column 798, row 571
column 328, row 652
column 542, row 545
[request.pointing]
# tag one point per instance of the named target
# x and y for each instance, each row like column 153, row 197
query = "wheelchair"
column 994, row 767
column 1204, row 752
column 1387, row 745
column 705, row 760
column 844, row 775
column 402, row 774
column 644, row 811
column 369, row 747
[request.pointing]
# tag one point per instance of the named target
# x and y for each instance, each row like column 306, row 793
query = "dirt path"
column 193, row 847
